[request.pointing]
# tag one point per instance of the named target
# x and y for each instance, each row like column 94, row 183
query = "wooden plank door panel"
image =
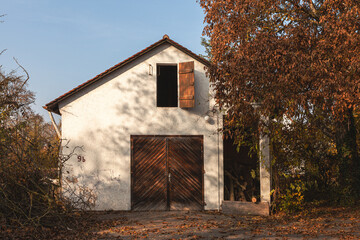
column 149, row 180
column 185, row 156
column 167, row 173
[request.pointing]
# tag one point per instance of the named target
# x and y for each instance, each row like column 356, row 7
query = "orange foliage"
column 287, row 54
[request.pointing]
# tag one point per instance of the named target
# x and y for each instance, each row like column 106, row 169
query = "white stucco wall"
column 102, row 117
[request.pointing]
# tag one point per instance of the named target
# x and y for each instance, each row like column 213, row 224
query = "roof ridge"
column 53, row 105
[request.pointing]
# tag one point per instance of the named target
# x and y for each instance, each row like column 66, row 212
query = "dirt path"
column 315, row 223
column 213, row 225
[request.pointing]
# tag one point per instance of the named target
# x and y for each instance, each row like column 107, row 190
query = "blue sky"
column 64, row 43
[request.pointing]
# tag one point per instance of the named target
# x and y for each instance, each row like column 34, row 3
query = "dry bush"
column 30, row 163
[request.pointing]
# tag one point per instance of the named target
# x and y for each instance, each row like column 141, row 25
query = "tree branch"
column 27, row 74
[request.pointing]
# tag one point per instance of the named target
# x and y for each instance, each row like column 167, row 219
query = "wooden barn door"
column 186, row 171
column 149, row 182
column 167, row 172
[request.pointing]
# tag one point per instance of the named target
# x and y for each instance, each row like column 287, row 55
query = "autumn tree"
column 299, row 59
column 31, row 161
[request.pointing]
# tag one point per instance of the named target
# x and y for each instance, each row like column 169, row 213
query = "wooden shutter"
column 186, row 82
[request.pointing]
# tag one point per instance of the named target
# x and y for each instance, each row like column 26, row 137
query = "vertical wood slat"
column 153, row 158
column 186, row 85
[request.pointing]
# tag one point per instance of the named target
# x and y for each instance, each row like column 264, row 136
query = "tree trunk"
column 276, row 184
column 348, row 157
column 231, row 190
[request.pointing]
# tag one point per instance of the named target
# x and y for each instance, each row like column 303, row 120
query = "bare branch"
column 3, row 15
column 27, row 74
column 3, row 51
column 312, row 8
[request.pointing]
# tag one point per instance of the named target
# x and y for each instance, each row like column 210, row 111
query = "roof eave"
column 53, row 106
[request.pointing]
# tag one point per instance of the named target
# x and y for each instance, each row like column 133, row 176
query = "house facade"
column 148, row 128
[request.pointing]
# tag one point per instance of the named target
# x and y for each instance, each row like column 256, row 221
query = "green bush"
column 292, row 200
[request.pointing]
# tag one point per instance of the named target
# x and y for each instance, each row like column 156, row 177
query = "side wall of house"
column 102, row 117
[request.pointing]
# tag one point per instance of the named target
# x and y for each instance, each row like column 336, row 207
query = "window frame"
column 177, row 83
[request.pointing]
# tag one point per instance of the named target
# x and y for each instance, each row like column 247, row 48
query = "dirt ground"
column 214, row 225
column 317, row 223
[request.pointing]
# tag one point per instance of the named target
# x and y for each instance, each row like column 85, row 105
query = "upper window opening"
column 167, row 94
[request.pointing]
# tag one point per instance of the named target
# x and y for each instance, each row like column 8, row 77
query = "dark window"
column 167, row 94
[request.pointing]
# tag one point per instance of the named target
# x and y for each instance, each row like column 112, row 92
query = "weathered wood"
column 186, row 85
column 245, row 208
column 55, row 125
column 185, row 167
column 167, row 172
column 148, row 173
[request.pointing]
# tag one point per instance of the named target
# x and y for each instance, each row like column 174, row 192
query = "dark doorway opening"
column 241, row 171
column 167, row 86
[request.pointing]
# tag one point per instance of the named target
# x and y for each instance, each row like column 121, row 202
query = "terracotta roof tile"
column 53, row 105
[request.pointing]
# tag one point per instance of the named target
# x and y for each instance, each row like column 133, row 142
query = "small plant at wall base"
column 77, row 196
column 292, row 200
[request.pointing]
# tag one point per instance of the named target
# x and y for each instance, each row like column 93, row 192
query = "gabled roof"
column 53, row 105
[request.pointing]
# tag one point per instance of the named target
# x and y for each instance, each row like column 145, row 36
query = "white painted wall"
column 102, row 117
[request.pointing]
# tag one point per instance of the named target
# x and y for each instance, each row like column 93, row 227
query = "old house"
column 149, row 131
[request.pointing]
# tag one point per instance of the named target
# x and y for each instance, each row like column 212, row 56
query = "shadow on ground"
column 312, row 223
column 214, row 225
